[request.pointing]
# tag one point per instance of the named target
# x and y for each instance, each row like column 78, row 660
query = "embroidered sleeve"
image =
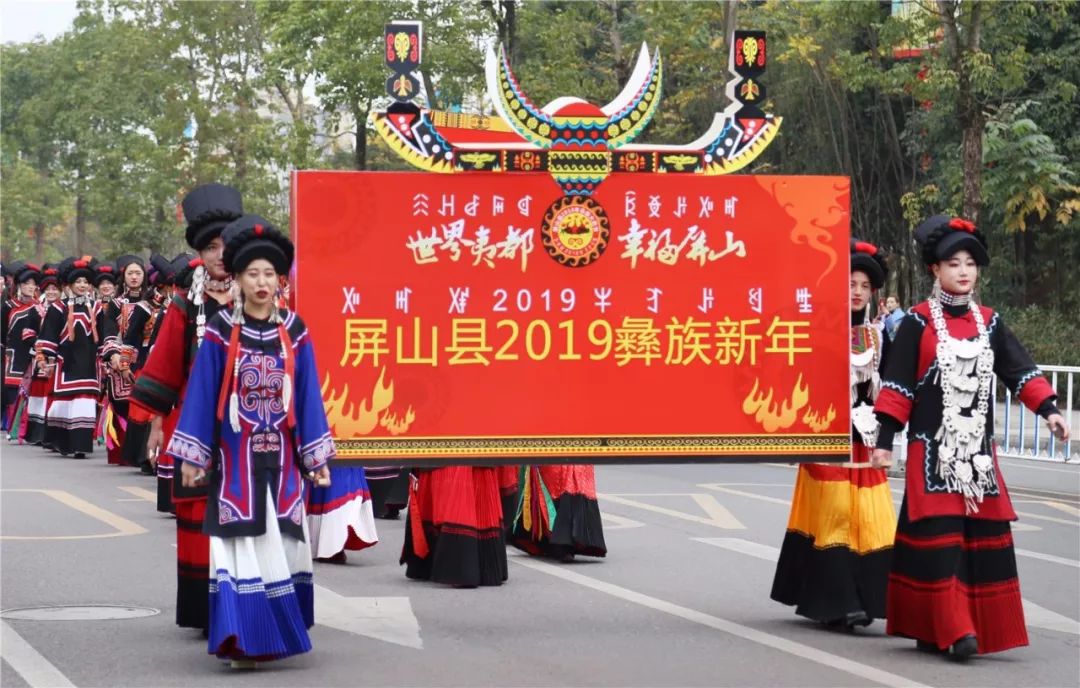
column 190, row 449
column 313, row 432
column 898, row 383
column 197, row 430
column 1013, row 364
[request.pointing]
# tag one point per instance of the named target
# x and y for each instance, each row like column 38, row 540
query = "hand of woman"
column 1058, row 426
column 321, row 477
column 114, row 361
column 154, row 440
column 192, row 475
column 881, row 458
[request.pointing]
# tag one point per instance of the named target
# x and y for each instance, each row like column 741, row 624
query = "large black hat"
column 72, row 269
column 159, row 270
column 207, row 209
column 941, row 236
column 50, row 274
column 23, row 271
column 11, row 269
column 252, row 237
column 123, row 262
column 105, row 272
column 183, row 269
column 867, row 258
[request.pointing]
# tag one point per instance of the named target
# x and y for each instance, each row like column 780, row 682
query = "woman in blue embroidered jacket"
column 253, row 427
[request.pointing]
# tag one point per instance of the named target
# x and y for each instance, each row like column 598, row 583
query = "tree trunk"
column 39, row 243
column 80, row 221
column 360, row 152
column 730, row 24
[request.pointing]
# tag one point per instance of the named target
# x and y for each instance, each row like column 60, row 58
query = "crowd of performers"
column 944, row 572
column 196, row 372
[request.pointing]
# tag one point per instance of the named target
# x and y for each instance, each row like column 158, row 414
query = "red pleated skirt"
column 954, row 576
column 455, row 533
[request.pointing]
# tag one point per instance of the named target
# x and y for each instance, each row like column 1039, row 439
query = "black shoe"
column 963, row 649
column 146, row 469
column 923, row 646
column 859, row 618
column 79, row 455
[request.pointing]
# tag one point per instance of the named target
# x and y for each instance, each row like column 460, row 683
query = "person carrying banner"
column 454, row 533
column 253, row 427
column 159, row 392
column 834, row 562
column 556, row 513
column 953, row 587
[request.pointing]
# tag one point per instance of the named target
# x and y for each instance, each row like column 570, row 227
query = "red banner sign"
column 486, row 317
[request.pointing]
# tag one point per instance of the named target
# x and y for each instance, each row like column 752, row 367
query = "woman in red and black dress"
column 32, row 431
column 556, row 513
column 834, row 563
column 953, row 586
column 454, row 533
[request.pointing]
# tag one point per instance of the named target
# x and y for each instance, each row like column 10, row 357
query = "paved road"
column 682, row 600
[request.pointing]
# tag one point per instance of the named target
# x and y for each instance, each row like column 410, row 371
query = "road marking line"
column 753, row 635
column 748, row 547
column 122, row 526
column 719, row 516
column 613, row 522
column 1048, row 557
column 389, row 619
column 1041, row 617
column 1062, row 506
column 37, row 671
column 140, row 492
column 1034, row 614
column 740, row 493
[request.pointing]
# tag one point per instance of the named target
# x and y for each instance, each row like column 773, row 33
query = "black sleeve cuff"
column 1048, row 408
column 889, row 427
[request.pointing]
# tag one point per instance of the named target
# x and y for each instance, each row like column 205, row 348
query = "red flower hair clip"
column 962, row 225
column 863, row 247
column 194, row 262
column 105, row 268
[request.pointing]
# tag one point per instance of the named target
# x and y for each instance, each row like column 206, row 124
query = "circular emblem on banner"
column 575, row 231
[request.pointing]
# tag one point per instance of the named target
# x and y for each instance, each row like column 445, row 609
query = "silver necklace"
column 966, row 369
column 864, row 368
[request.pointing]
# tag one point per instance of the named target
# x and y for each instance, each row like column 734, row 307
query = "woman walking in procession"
column 159, row 392
column 834, row 563
column 253, row 427
column 71, row 335
column 954, row 586
column 21, row 325
column 38, row 395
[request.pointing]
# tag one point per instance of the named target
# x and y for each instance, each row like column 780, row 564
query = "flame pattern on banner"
column 780, row 414
column 819, row 422
column 348, row 420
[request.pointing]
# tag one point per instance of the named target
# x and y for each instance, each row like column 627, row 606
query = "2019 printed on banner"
column 484, row 318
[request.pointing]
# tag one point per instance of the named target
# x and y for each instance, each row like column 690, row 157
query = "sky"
column 23, row 20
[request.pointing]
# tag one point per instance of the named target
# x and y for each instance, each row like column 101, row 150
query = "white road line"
column 1041, row 617
column 37, row 671
column 754, row 549
column 613, row 522
column 1048, row 557
column 1034, row 615
column 1062, row 506
column 718, row 515
column 862, row 671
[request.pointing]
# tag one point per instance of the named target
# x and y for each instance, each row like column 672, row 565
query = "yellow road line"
column 122, row 526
